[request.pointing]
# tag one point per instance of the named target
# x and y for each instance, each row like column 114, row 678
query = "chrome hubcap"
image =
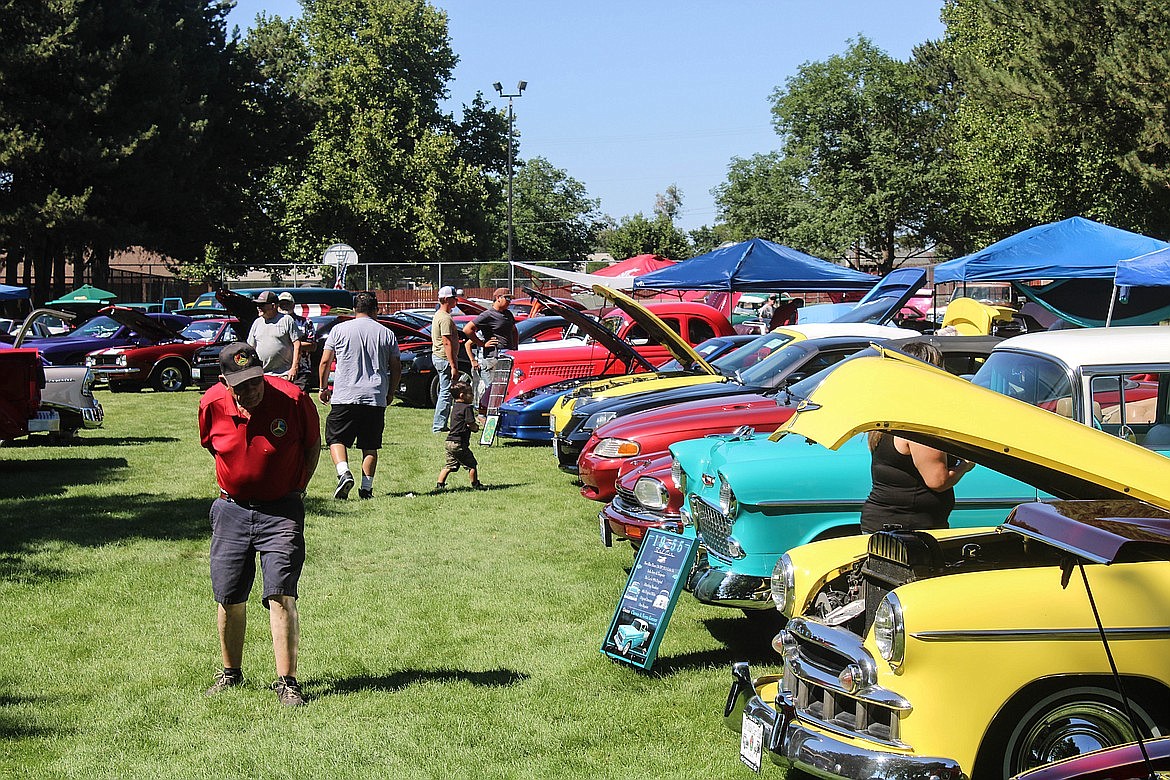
column 1072, row 730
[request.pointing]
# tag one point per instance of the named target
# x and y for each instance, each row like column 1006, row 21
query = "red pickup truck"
column 543, row 363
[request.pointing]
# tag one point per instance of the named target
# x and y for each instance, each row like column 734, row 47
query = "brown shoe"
column 224, row 680
column 288, row 691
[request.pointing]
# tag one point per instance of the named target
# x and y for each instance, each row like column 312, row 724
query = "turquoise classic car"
column 751, row 499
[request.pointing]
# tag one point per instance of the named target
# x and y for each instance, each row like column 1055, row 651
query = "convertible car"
column 970, row 652
column 752, row 499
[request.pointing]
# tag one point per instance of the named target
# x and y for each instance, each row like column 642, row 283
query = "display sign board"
column 656, row 579
column 488, row 435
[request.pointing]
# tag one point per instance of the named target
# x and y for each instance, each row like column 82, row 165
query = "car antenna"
column 1113, row 668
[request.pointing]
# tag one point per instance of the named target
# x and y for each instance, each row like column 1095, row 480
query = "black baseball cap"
column 238, row 362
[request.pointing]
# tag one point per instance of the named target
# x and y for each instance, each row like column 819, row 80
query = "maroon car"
column 646, row 498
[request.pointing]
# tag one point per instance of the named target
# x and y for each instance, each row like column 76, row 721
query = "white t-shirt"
column 364, row 348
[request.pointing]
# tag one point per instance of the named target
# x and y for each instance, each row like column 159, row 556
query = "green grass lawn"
column 442, row 636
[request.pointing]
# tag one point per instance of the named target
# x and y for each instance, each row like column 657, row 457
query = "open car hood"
column 892, row 392
column 657, row 330
column 622, row 349
column 239, row 306
column 141, row 324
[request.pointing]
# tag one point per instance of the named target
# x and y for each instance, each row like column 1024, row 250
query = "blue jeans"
column 443, row 405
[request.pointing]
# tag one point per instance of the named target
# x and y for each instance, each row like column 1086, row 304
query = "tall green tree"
column 640, row 235
column 553, row 216
column 855, row 170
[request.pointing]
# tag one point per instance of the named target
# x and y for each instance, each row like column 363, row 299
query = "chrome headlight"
column 678, row 476
column 617, row 448
column 598, row 420
column 90, row 360
column 651, row 493
column 120, row 360
column 727, row 503
column 517, row 375
column 889, row 630
column 783, row 585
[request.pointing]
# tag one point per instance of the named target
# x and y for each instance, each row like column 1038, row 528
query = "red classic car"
column 161, row 359
column 536, row 365
column 646, row 498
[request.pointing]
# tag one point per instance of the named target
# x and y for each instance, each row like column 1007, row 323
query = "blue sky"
column 631, row 96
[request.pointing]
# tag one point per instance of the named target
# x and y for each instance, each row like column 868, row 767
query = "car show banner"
column 656, row 579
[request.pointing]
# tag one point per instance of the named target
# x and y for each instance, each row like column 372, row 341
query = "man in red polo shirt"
column 265, row 435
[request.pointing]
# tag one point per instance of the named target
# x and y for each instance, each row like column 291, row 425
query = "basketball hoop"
column 340, row 256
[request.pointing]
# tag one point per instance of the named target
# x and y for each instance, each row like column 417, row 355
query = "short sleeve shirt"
column 261, row 457
column 273, row 340
column 443, row 324
column 364, row 349
column 500, row 324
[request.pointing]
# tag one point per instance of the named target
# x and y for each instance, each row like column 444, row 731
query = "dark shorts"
column 459, row 455
column 362, row 423
column 275, row 530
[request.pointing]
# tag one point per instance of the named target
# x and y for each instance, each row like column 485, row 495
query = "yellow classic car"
column 970, row 652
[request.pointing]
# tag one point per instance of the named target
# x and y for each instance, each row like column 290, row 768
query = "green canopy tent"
column 85, row 294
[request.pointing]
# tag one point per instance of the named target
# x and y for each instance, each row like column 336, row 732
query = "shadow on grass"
column 463, row 488
column 81, row 440
column 742, row 640
column 12, row 726
column 50, row 477
column 397, row 681
column 93, row 522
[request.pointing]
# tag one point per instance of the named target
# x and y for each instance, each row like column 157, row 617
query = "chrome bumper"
column 790, row 742
column 108, row 371
column 721, row 588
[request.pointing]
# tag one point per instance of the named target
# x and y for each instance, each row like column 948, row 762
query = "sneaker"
column 365, row 494
column 479, row 486
column 224, row 680
column 439, row 487
column 288, row 691
column 344, row 485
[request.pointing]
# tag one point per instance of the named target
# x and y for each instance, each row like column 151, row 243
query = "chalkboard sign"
column 664, row 561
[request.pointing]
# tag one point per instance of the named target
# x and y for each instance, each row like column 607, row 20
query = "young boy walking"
column 459, row 453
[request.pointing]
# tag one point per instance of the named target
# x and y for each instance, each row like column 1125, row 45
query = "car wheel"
column 170, row 377
column 1065, row 723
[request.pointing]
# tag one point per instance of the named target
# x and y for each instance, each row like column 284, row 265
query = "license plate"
column 196, row 373
column 606, row 532
column 751, row 742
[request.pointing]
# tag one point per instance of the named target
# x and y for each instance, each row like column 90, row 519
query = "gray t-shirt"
column 364, row 348
column 273, row 340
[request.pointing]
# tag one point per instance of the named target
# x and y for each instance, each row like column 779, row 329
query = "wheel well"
column 1151, row 694
column 172, row 360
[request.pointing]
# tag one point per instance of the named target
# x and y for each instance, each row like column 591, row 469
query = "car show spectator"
column 306, row 335
column 264, row 434
column 275, row 339
column 488, row 334
column 364, row 382
column 913, row 484
column 458, row 445
column 444, row 349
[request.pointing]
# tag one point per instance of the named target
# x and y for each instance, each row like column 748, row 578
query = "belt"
column 298, row 494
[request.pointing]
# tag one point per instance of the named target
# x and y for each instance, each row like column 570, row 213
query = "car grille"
column 498, row 383
column 579, row 371
column 105, row 361
column 810, row 677
column 714, row 527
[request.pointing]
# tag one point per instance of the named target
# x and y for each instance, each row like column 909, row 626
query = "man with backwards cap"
column 490, row 332
column 444, row 348
column 264, row 434
column 274, row 337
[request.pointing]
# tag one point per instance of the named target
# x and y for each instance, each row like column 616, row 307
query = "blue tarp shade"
column 10, row 293
column 1148, row 270
column 757, row 265
column 1075, row 248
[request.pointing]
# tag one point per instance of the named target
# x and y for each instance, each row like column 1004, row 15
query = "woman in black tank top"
column 913, row 484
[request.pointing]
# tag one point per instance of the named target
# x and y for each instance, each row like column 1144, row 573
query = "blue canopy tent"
column 755, row 266
column 1149, row 270
column 1076, row 257
column 10, row 293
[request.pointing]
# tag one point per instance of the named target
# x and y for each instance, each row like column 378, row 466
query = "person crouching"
column 459, row 439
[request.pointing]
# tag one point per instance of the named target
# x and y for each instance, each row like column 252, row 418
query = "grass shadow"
column 14, row 727
column 397, row 681
column 742, row 640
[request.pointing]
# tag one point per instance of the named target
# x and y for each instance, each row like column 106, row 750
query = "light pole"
column 519, row 91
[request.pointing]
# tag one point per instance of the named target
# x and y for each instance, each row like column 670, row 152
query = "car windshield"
column 771, row 371
column 705, row 350
column 101, row 327
column 752, row 354
column 201, row 330
column 1033, row 379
